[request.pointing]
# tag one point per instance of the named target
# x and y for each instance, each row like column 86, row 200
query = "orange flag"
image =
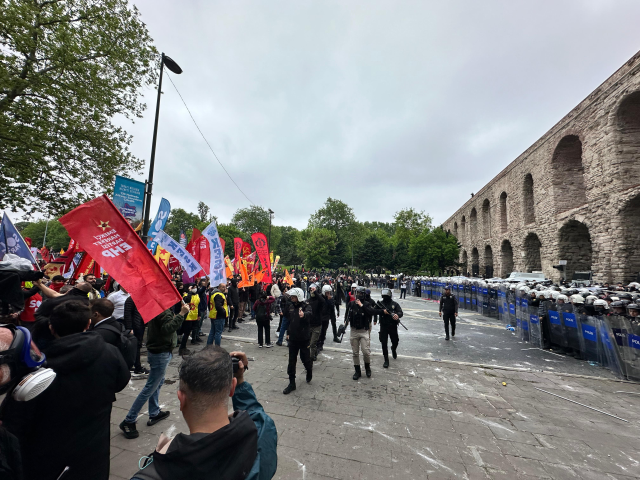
column 287, row 277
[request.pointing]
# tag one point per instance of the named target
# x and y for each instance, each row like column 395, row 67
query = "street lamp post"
column 175, row 68
column 271, row 212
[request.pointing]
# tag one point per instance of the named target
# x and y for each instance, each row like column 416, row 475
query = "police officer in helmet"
column 389, row 318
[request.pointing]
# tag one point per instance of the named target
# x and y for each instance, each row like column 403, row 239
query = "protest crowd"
column 75, row 331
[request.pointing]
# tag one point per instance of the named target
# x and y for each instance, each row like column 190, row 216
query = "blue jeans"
column 217, row 325
column 151, row 391
column 283, row 328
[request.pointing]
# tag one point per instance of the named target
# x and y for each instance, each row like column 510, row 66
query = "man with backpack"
column 262, row 309
column 112, row 331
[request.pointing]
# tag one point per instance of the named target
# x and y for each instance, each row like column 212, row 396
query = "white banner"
column 170, row 245
column 218, row 273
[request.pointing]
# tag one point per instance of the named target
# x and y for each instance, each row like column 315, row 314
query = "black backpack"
column 261, row 312
column 127, row 343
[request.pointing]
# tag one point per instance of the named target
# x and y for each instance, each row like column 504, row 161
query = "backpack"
column 127, row 343
column 261, row 312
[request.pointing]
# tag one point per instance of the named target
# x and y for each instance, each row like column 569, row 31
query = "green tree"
column 410, row 223
column 203, row 213
column 180, row 219
column 334, row 215
column 67, row 68
column 372, row 253
column 251, row 220
column 433, row 251
column 287, row 246
column 315, row 245
column 57, row 236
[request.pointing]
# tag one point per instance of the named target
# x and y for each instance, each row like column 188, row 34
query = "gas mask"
column 21, row 364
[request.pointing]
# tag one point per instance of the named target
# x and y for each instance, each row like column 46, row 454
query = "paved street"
column 421, row 419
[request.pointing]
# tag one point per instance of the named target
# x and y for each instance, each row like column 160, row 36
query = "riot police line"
column 595, row 325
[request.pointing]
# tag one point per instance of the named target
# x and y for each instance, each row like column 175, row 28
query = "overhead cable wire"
column 207, row 142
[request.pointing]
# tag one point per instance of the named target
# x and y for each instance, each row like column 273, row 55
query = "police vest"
column 212, row 307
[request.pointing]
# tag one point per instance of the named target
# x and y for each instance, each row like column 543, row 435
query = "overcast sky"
column 382, row 104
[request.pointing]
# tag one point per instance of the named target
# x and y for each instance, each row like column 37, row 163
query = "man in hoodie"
column 239, row 446
column 67, row 425
column 218, row 313
column 161, row 340
column 299, row 314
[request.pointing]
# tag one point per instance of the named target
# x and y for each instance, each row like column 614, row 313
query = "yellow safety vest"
column 212, row 305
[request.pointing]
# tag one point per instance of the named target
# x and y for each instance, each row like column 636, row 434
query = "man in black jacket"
column 133, row 322
column 234, row 302
column 298, row 313
column 389, row 318
column 449, row 307
column 67, row 425
column 316, row 302
column 103, row 323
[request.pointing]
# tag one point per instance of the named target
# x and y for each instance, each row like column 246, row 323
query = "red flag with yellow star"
column 105, row 235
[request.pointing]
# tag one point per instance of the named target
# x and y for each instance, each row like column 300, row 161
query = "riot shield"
column 631, row 348
column 511, row 297
column 485, row 301
column 524, row 317
column 535, row 328
column 611, row 355
column 570, row 327
column 556, row 330
column 590, row 343
column 493, row 302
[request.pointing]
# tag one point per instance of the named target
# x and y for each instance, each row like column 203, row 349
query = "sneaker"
column 184, row 351
column 129, row 430
column 202, row 334
column 141, row 371
column 279, row 344
column 196, row 341
column 269, row 345
column 161, row 416
column 259, row 346
column 235, row 328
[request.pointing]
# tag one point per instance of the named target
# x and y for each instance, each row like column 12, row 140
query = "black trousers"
column 295, row 348
column 388, row 331
column 187, row 329
column 337, row 310
column 139, row 334
column 233, row 316
column 449, row 317
column 403, row 291
column 323, row 333
column 263, row 326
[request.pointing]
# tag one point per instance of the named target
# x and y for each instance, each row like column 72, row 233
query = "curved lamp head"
column 171, row 64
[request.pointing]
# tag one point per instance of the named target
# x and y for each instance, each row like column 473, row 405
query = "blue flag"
column 12, row 242
column 158, row 224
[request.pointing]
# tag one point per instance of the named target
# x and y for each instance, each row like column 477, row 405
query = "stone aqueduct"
column 573, row 195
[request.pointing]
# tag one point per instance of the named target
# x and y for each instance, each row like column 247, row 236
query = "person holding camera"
column 242, row 445
column 299, row 314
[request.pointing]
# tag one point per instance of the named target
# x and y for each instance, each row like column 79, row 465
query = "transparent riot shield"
column 518, row 323
column 512, row 308
column 524, row 318
column 493, row 302
column 631, row 351
column 570, row 327
column 590, row 342
column 467, row 296
column 556, row 330
column 485, row 301
column 611, row 355
column 535, row 328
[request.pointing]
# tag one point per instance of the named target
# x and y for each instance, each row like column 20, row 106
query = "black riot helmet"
column 361, row 293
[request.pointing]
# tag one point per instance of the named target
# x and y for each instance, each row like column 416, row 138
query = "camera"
column 235, row 361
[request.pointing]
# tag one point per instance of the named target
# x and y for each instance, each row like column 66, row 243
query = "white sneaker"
column 259, row 346
column 269, row 345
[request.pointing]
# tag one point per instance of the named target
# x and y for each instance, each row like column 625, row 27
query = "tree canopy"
column 67, row 68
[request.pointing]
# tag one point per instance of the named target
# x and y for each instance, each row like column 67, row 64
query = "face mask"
column 20, row 364
column 194, row 290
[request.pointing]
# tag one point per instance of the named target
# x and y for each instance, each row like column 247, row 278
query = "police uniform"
column 389, row 327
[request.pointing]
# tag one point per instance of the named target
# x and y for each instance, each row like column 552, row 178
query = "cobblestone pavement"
column 478, row 339
column 420, row 419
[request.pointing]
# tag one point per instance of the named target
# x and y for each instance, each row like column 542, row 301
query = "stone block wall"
column 573, row 195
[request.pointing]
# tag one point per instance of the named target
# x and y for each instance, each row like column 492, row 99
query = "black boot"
column 290, row 388
column 336, row 339
column 367, row 368
column 393, row 352
column 386, row 362
column 309, row 375
column 358, row 373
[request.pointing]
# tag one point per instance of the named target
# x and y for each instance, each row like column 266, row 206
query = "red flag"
column 46, row 255
column 27, row 240
column 106, row 235
column 193, row 247
column 246, row 249
column 85, row 267
column 204, row 256
column 222, row 244
column 260, row 241
column 237, row 249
